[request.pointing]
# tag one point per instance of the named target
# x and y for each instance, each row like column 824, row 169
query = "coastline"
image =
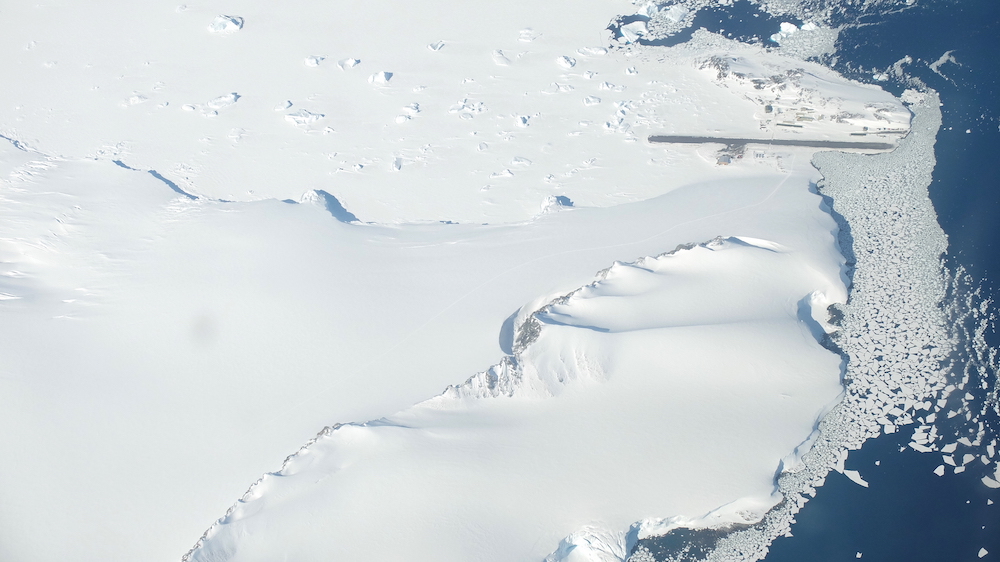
column 893, row 365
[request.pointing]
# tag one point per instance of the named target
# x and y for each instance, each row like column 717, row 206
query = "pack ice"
column 194, row 284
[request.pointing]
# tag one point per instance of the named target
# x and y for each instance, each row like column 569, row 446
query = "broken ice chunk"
column 855, row 477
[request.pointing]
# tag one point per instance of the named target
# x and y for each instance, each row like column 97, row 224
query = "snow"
column 214, row 243
column 226, row 24
column 666, row 92
column 380, row 78
column 303, row 117
column 573, row 424
column 314, row 60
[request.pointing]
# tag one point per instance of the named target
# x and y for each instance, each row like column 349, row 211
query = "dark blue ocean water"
column 741, row 21
column 908, row 513
column 965, row 191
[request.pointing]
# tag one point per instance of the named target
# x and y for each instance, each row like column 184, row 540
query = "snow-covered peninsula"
column 435, row 233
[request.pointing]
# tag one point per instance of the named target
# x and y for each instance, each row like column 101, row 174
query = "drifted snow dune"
column 670, row 385
column 217, row 236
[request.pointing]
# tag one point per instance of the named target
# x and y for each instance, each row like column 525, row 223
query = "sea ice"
column 785, row 30
column 675, row 13
column 855, row 477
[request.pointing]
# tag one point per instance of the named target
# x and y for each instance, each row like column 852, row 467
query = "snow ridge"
column 542, row 365
column 506, row 378
column 254, row 490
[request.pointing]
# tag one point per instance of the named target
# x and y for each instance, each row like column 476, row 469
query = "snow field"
column 504, row 83
column 216, row 240
column 248, row 325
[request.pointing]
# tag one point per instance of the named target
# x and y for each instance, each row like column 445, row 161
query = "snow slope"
column 621, row 408
column 195, row 343
column 189, row 293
